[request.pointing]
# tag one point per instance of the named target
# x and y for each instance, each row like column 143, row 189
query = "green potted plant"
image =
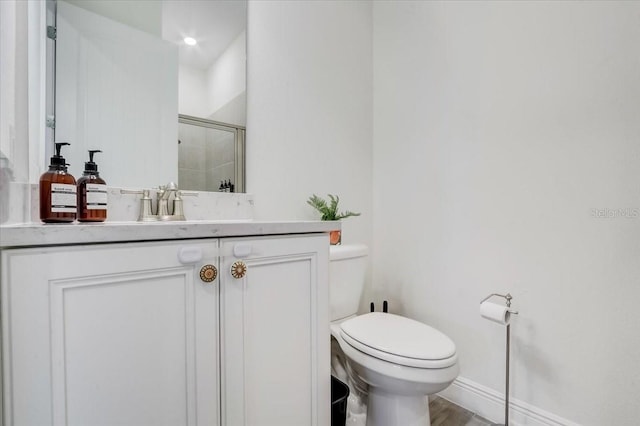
column 329, row 211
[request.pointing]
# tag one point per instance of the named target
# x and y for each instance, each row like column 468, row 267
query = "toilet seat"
column 399, row 340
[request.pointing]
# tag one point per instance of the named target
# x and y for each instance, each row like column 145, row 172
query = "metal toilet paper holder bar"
column 508, row 298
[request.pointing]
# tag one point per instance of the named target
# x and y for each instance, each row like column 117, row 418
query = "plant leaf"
column 346, row 214
column 329, row 210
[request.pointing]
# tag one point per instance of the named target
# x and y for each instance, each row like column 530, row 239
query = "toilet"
column 401, row 360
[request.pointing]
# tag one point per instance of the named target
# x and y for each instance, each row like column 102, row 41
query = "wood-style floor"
column 445, row 413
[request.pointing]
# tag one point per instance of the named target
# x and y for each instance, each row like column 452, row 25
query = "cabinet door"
column 109, row 335
column 275, row 332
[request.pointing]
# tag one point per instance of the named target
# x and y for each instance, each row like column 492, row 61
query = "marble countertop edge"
column 39, row 234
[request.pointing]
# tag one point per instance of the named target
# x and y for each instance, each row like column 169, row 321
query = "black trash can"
column 339, row 395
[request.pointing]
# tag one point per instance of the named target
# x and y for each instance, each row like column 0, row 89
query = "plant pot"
column 335, row 237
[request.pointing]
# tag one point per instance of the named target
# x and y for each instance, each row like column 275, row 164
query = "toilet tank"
column 347, row 270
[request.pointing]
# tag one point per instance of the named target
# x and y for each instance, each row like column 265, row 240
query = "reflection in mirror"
column 207, row 153
column 124, row 73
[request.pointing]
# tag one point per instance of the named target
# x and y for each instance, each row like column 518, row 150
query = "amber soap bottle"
column 57, row 191
column 92, row 193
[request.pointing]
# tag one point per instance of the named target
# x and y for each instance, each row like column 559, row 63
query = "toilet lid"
column 399, row 340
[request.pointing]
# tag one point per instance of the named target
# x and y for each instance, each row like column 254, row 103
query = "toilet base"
column 385, row 409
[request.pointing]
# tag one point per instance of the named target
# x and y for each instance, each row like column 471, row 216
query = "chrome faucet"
column 163, row 195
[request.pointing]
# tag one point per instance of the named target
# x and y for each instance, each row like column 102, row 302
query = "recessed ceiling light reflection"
column 190, row 41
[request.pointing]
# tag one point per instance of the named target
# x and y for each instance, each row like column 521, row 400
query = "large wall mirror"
column 158, row 85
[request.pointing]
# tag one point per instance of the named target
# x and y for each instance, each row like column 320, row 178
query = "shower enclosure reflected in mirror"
column 208, row 154
column 127, row 83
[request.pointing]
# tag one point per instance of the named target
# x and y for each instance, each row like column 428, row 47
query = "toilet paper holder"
column 507, row 297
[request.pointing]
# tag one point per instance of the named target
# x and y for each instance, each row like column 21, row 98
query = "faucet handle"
column 178, row 206
column 178, row 209
column 131, row 191
column 146, row 210
column 166, row 190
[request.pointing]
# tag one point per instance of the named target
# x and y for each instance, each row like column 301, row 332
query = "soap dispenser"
column 92, row 193
column 57, row 191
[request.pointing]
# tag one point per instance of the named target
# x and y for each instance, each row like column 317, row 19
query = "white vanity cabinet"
column 129, row 333
column 275, row 333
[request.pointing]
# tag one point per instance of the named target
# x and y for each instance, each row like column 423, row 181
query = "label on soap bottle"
column 63, row 198
column 96, row 196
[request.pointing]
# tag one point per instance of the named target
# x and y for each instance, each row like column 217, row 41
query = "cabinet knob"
column 238, row 269
column 208, row 273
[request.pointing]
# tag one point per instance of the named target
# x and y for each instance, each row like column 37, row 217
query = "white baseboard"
column 489, row 404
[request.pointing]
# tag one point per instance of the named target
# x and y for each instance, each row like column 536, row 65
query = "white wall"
column 498, row 128
column 219, row 92
column 192, row 91
column 143, row 15
column 309, row 109
column 227, row 78
column 18, row 41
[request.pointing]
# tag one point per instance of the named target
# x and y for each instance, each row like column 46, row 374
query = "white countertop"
column 36, row 234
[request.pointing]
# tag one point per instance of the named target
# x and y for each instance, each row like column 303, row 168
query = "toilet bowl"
column 400, row 359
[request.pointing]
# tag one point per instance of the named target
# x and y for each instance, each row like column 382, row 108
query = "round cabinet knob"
column 238, row 269
column 208, row 273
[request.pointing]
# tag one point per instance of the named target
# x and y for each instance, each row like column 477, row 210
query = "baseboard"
column 489, row 404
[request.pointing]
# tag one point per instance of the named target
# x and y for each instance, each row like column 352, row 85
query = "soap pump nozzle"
column 90, row 166
column 58, row 161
